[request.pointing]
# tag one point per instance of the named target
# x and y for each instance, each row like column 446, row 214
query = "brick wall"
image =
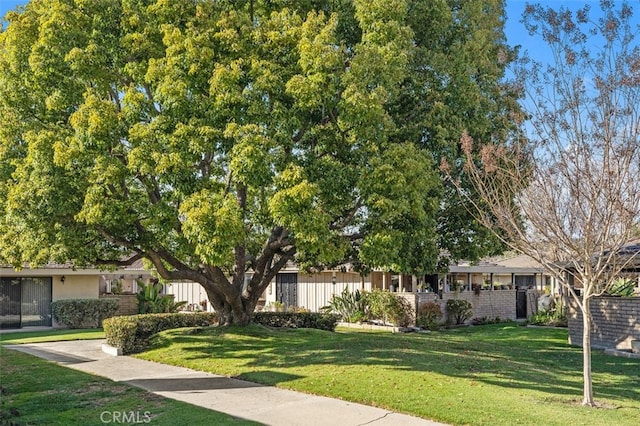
column 127, row 303
column 614, row 322
column 488, row 303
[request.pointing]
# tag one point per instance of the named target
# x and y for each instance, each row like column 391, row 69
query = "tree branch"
column 350, row 214
column 120, row 263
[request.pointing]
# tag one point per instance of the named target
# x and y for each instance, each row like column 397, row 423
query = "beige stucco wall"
column 75, row 287
column 315, row 290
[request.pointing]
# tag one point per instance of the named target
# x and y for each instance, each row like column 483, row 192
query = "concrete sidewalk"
column 238, row 398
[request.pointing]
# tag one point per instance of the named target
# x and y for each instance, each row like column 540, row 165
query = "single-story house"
column 26, row 295
column 501, row 284
column 505, row 287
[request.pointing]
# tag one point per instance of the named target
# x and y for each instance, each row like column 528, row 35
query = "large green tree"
column 215, row 137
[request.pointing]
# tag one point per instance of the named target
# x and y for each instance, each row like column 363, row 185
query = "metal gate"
column 287, row 289
column 25, row 302
column 521, row 304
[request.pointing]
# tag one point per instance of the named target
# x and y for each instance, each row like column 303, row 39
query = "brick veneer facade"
column 488, row 303
column 127, row 303
column 614, row 322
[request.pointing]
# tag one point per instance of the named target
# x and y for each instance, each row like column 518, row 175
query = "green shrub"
column 623, row 287
column 131, row 333
column 320, row 321
column 489, row 320
column 555, row 317
column 116, row 287
column 275, row 306
column 150, row 301
column 297, row 309
column 458, row 310
column 429, row 315
column 80, row 313
column 389, row 308
column 352, row 307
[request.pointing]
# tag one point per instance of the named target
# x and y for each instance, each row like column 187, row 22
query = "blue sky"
column 6, row 5
column 516, row 34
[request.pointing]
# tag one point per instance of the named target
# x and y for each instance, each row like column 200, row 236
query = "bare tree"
column 566, row 191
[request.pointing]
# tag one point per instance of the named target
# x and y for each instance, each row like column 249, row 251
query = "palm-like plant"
column 151, row 301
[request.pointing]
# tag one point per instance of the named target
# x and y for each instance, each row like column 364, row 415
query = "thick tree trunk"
column 587, row 395
column 232, row 308
column 240, row 312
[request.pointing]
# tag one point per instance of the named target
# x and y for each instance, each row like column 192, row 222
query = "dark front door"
column 10, row 299
column 432, row 282
column 521, row 303
column 25, row 302
column 287, row 289
column 36, row 302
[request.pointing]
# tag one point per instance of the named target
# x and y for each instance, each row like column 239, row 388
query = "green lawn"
column 38, row 392
column 493, row 375
column 56, row 335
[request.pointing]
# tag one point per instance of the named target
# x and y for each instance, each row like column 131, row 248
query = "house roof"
column 516, row 264
column 630, row 253
column 53, row 268
column 507, row 264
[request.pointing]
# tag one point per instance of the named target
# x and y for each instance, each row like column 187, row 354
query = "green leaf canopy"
column 213, row 137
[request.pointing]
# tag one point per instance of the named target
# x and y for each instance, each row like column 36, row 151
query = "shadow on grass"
column 504, row 356
column 201, row 384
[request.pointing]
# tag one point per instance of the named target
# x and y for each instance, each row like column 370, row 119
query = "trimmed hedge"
column 79, row 313
column 321, row 321
column 131, row 333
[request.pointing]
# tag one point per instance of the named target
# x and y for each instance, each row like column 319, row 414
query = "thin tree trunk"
column 587, row 395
